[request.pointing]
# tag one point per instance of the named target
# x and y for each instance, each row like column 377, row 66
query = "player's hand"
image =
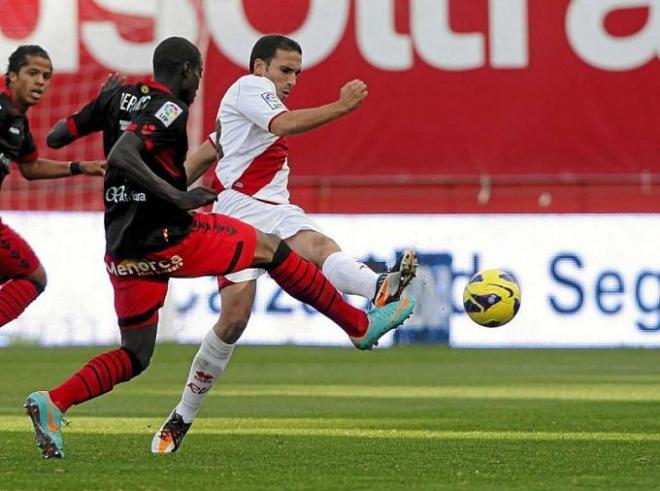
column 114, row 80
column 352, row 94
column 94, row 167
column 196, row 197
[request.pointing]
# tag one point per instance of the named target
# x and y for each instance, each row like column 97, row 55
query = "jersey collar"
column 10, row 95
column 7, row 91
column 158, row 86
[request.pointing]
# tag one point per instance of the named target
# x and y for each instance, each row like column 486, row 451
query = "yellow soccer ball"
column 492, row 297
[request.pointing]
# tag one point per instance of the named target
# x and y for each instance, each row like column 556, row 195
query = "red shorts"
column 216, row 245
column 17, row 259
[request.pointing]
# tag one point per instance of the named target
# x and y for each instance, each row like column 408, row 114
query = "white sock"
column 208, row 365
column 349, row 275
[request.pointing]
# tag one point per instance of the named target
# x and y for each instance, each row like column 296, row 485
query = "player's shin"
column 304, row 281
column 15, row 296
column 207, row 366
column 97, row 377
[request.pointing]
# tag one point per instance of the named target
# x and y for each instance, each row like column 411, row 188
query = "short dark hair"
column 19, row 58
column 172, row 53
column 266, row 47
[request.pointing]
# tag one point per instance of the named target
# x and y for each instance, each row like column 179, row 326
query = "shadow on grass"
column 98, row 461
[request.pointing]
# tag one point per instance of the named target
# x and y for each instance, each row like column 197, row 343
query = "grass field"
column 305, row 418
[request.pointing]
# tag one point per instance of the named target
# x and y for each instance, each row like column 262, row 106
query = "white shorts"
column 282, row 220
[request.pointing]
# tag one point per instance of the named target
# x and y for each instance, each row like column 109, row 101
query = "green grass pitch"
column 313, row 418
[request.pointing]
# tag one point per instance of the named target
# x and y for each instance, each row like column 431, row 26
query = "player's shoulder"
column 255, row 82
column 256, row 92
column 167, row 108
column 6, row 103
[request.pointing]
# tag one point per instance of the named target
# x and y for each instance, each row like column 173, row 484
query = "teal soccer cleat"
column 47, row 421
column 382, row 320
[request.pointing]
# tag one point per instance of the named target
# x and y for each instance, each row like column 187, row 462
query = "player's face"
column 191, row 83
column 31, row 82
column 283, row 71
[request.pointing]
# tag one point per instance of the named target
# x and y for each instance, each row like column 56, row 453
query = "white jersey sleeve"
column 257, row 100
column 255, row 161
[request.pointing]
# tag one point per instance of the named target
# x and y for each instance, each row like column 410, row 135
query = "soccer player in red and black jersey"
column 22, row 276
column 151, row 236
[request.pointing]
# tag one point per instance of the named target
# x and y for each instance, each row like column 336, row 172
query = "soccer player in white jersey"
column 253, row 176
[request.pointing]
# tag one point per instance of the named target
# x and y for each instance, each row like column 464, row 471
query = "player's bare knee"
column 271, row 242
column 38, row 278
column 322, row 248
column 320, row 241
column 267, row 245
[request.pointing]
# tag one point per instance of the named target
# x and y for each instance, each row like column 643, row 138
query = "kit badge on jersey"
column 168, row 112
column 272, row 100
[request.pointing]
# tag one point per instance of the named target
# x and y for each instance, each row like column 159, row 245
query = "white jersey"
column 255, row 160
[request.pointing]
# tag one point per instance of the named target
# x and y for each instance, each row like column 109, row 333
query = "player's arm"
column 351, row 96
column 125, row 156
column 201, row 159
column 61, row 134
column 88, row 120
column 52, row 169
column 32, row 167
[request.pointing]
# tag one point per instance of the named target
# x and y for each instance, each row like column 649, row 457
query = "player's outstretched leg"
column 392, row 283
column 383, row 320
column 302, row 280
column 47, row 422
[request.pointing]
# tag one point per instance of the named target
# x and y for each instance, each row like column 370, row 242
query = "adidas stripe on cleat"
column 391, row 284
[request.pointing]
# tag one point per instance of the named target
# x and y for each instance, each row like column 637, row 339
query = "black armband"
column 74, row 168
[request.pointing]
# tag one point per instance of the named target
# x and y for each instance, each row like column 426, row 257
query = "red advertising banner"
column 456, row 87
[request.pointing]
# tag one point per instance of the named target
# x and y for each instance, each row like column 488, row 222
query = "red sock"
column 303, row 281
column 15, row 296
column 99, row 376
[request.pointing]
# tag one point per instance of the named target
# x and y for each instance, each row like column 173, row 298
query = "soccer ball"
column 492, row 298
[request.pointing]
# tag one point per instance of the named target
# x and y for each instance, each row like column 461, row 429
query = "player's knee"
column 280, row 252
column 140, row 358
column 38, row 278
column 137, row 364
column 144, row 360
column 267, row 245
column 140, row 346
column 322, row 248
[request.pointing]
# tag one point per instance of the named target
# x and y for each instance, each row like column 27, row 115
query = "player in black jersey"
column 22, row 276
column 127, row 212
column 151, row 236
